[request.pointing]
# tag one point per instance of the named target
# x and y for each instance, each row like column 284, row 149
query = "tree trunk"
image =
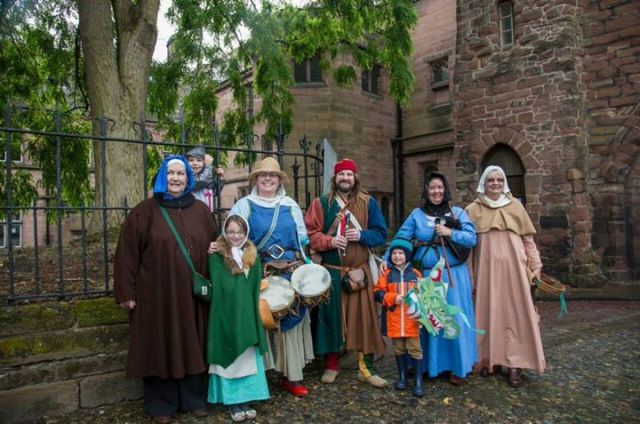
column 118, row 39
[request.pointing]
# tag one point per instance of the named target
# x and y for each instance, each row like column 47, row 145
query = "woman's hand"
column 128, row 304
column 383, row 267
column 399, row 299
column 535, row 274
column 213, row 247
column 443, row 231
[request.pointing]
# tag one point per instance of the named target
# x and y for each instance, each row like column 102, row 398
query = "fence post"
column 36, row 247
column 319, row 168
column 59, row 207
column 103, row 178
column 8, row 189
column 280, row 144
column 144, row 139
column 304, row 143
column 296, row 169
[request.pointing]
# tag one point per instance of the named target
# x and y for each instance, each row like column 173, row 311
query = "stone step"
column 57, row 345
column 52, row 371
column 35, row 401
column 45, row 317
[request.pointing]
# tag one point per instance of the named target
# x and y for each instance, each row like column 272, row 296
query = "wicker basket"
column 550, row 285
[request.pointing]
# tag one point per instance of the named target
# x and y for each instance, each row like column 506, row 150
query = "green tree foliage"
column 223, row 40
column 40, row 70
column 41, row 66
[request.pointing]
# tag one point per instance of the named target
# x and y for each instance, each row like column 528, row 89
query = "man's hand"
column 352, row 234
column 339, row 242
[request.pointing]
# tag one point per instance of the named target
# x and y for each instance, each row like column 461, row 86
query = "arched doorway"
column 506, row 158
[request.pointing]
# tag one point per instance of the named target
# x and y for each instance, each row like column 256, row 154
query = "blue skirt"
column 230, row 391
column 458, row 355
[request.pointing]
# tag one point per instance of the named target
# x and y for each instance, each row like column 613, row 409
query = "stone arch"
column 506, row 158
column 624, row 148
column 631, row 215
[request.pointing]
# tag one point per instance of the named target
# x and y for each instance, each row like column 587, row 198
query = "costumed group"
column 214, row 347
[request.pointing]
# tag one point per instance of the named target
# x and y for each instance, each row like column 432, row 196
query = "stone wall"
column 358, row 125
column 612, row 77
column 427, row 120
column 61, row 356
column 532, row 97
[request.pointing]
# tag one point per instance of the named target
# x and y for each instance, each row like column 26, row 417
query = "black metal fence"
column 46, row 248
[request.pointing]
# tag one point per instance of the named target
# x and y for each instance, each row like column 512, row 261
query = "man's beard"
column 347, row 190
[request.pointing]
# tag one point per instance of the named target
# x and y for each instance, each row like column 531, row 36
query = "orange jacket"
column 391, row 283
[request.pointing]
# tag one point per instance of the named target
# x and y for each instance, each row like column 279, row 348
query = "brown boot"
column 514, row 377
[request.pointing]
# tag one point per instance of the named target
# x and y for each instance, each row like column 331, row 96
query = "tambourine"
column 275, row 301
column 311, row 282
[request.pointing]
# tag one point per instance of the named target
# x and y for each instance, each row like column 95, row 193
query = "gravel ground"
column 592, row 373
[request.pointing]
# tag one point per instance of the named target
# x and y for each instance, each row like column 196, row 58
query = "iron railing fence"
column 37, row 266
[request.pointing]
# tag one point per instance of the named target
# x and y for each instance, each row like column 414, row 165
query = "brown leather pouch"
column 354, row 280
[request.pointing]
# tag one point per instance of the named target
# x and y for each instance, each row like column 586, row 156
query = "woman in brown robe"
column 153, row 281
column 503, row 264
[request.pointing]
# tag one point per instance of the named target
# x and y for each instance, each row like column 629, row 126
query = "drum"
column 276, row 301
column 312, row 282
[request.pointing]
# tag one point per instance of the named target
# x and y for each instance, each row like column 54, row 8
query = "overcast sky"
column 165, row 29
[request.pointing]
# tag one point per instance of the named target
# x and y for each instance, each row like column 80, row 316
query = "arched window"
column 506, row 158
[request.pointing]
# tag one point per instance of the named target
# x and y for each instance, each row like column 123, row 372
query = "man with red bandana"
column 342, row 226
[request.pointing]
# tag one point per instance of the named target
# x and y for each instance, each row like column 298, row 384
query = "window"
column 15, row 233
column 506, row 23
column 308, row 70
column 16, row 149
column 371, row 80
column 440, row 81
column 440, row 72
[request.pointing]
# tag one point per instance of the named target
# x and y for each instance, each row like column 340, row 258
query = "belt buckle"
column 275, row 251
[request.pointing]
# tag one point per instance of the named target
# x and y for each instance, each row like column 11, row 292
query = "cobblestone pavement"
column 593, row 358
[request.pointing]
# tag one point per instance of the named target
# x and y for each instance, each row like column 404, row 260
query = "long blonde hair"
column 358, row 192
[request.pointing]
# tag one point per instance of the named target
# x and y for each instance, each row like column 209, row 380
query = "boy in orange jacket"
column 397, row 322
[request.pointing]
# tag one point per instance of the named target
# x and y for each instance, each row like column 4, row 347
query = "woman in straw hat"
column 278, row 231
column 504, row 263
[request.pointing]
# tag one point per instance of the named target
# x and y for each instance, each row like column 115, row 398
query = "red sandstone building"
column 548, row 90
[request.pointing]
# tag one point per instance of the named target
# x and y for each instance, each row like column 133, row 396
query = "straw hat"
column 267, row 165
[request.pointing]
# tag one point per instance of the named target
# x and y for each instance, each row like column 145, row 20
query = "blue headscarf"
column 160, row 186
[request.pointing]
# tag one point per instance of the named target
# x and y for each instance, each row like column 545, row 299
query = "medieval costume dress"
column 168, row 324
column 457, row 355
column 236, row 341
column 291, row 347
column 502, row 263
column 349, row 321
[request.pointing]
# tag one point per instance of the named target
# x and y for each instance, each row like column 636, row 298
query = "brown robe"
column 168, row 324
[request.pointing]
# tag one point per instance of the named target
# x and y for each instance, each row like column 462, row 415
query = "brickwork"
column 529, row 96
column 427, row 124
column 358, row 124
column 612, row 77
column 565, row 98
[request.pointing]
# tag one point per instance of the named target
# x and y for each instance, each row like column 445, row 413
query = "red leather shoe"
column 294, row 388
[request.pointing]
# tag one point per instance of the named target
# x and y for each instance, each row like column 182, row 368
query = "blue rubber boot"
column 418, row 390
column 401, row 361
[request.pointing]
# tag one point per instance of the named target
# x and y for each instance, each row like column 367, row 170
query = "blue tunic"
column 283, row 240
column 440, row 355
